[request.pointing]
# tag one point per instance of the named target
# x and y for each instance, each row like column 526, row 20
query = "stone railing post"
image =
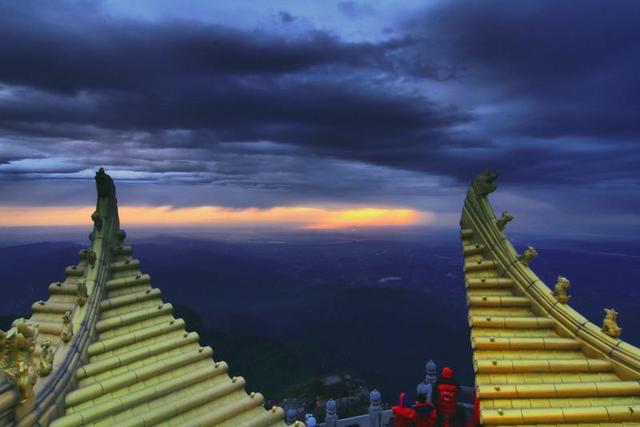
column 310, row 420
column 375, row 408
column 291, row 416
column 426, row 386
column 331, row 417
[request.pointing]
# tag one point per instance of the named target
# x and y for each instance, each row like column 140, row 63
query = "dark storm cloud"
column 355, row 9
column 51, row 50
column 545, row 91
column 119, row 82
column 572, row 66
column 286, row 17
column 324, row 114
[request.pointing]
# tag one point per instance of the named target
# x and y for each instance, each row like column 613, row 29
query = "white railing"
column 377, row 417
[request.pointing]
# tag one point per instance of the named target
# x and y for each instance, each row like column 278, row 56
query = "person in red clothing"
column 404, row 416
column 446, row 397
column 426, row 414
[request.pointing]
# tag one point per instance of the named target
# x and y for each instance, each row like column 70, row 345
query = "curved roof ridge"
column 534, row 355
column 120, row 357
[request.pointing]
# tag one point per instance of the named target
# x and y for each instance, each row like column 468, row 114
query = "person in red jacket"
column 446, row 397
column 404, row 416
column 426, row 414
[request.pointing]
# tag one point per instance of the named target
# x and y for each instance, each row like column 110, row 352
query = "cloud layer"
column 292, row 114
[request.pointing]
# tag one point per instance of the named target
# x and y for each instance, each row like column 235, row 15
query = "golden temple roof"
column 536, row 360
column 104, row 348
column 118, row 356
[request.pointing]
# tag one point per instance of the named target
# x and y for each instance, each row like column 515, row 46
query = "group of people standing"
column 436, row 403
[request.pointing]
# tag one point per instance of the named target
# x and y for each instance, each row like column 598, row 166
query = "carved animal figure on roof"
column 97, row 220
column 503, row 220
column 560, row 290
column 17, row 348
column 528, row 255
column 46, row 359
column 88, row 254
column 484, row 183
column 81, row 293
column 67, row 327
column 610, row 323
column 104, row 184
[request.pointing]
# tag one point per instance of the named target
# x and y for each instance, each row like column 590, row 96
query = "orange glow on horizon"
column 297, row 216
column 366, row 217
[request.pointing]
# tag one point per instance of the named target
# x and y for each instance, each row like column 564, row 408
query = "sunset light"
column 293, row 216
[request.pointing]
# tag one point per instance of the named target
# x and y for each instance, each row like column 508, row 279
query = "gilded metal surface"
column 501, row 222
column 144, row 367
column 81, row 293
column 538, row 361
column 610, row 324
column 560, row 290
column 484, row 184
column 88, row 255
column 67, row 327
column 528, row 255
column 46, row 359
column 17, row 356
column 97, row 220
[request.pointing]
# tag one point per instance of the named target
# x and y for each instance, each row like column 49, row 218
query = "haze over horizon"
column 321, row 114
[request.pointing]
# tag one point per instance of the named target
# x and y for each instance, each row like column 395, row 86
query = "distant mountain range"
column 284, row 309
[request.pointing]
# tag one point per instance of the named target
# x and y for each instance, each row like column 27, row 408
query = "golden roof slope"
column 146, row 369
column 126, row 360
column 537, row 361
column 59, row 330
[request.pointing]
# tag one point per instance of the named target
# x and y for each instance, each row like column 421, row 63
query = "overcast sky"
column 329, row 104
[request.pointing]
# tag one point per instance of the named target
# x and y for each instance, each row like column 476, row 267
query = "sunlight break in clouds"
column 295, row 216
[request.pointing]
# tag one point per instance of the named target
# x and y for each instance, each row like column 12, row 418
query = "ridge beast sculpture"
column 610, row 323
column 560, row 290
column 501, row 222
column 484, row 184
column 17, row 356
column 528, row 255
